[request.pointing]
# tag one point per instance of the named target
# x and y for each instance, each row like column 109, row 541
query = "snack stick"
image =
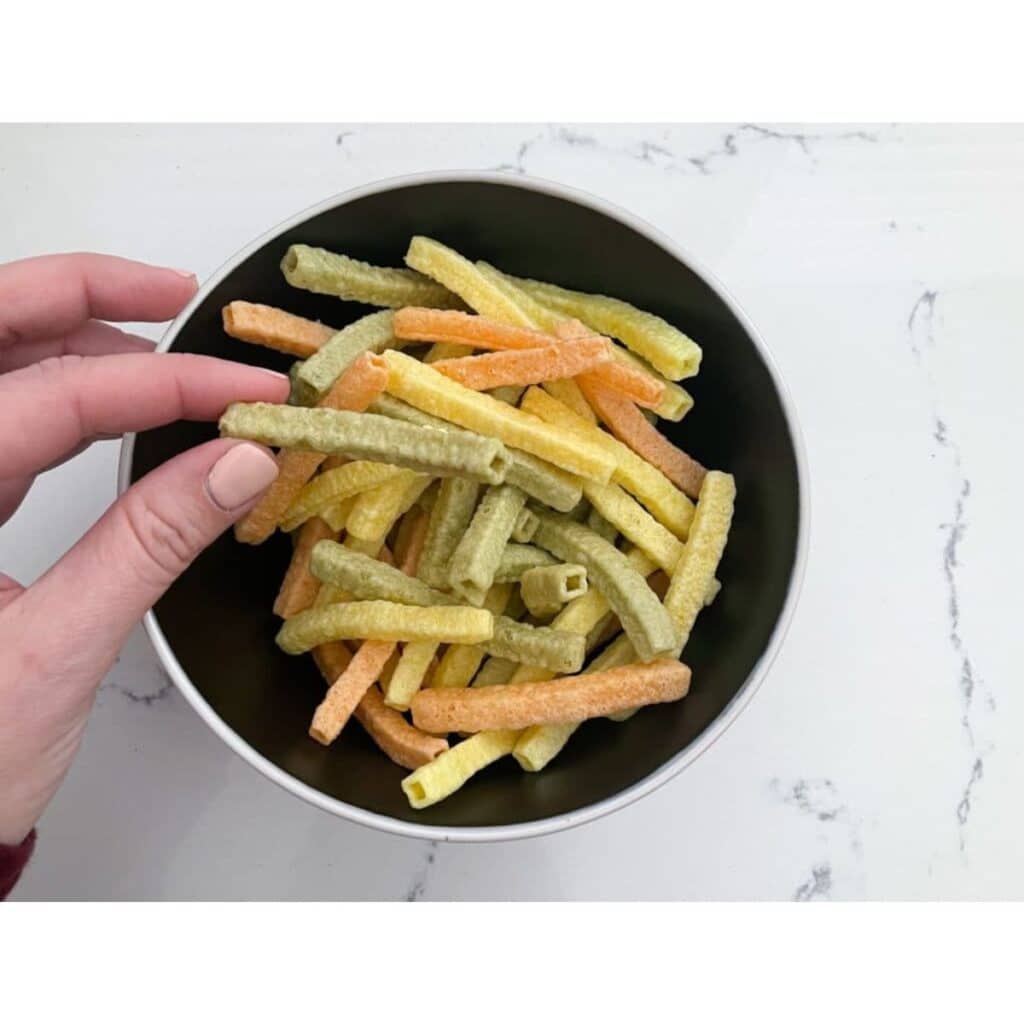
column 337, row 515
column 299, row 586
column 410, row 673
column 528, row 365
column 495, row 672
column 383, row 620
column 316, row 376
column 620, row 377
column 675, row 401
column 543, row 316
column 427, row 499
column 459, row 663
column 504, row 340
column 696, row 570
column 329, row 273
column 274, row 328
column 332, row 659
column 426, row 389
column 516, row 559
column 329, row 489
column 376, row 512
column 635, row 523
column 507, row 393
column 370, row 548
column 597, row 522
column 358, row 387
column 449, row 518
column 584, row 615
column 368, row 436
column 458, row 275
column 453, row 768
column 628, row 424
column 642, row 615
column 330, row 594
column 539, row 744
column 477, row 555
column 369, row 579
column 646, row 483
column 410, row 537
column 525, row 527
column 295, row 396
column 536, row 645
column 403, row 743
column 607, row 629
column 465, row 329
column 294, row 469
column 366, row 667
column 713, row 589
column 546, row 483
column 567, row 699
column 348, row 690
column 443, row 350
column 568, row 393
column 667, row 349
column 547, row 589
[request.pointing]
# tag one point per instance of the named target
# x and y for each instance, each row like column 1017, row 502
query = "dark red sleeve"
column 12, row 862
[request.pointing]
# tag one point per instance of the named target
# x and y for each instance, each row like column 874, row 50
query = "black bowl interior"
column 217, row 617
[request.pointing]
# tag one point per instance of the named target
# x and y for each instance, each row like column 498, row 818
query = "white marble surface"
column 882, row 758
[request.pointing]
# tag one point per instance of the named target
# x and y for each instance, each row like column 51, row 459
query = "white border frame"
column 671, row 768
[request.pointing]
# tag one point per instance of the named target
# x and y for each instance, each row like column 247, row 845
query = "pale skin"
column 68, row 378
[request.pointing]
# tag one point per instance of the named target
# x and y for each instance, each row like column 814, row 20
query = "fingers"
column 52, row 295
column 12, row 493
column 75, row 618
column 9, row 590
column 91, row 339
column 49, row 408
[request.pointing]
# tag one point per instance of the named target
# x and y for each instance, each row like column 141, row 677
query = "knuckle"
column 165, row 544
column 54, row 368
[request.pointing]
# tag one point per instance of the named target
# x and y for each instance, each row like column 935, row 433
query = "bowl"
column 214, row 629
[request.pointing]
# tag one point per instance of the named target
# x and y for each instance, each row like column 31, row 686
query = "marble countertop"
column 884, row 268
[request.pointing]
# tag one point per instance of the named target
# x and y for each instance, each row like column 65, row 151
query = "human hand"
column 67, row 379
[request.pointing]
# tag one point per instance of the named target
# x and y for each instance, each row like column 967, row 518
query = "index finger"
column 46, row 296
column 50, row 407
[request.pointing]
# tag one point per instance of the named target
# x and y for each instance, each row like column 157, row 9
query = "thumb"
column 94, row 595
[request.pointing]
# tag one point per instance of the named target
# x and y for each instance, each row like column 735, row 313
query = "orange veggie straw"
column 568, row 699
column 274, row 328
column 357, row 387
column 412, row 532
column 365, row 668
column 299, row 586
column 630, row 426
column 402, row 742
column 348, row 689
column 441, row 325
column 332, row 659
column 627, row 380
column 527, row 366
column 416, row 323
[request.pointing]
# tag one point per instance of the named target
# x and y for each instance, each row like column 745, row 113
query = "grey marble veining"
column 881, row 758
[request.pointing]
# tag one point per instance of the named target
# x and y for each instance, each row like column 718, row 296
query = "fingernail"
column 239, row 475
column 187, row 274
column 273, row 373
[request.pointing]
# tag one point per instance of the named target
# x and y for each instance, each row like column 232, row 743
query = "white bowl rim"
column 686, row 756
